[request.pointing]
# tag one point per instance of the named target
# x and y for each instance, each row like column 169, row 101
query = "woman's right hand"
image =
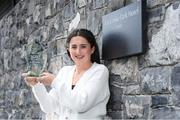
column 30, row 81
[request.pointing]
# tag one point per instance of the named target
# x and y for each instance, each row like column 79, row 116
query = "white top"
column 87, row 100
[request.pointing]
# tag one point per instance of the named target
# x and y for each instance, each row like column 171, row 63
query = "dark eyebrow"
column 83, row 44
column 80, row 44
column 73, row 44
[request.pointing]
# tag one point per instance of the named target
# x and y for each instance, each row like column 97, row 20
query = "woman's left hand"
column 46, row 78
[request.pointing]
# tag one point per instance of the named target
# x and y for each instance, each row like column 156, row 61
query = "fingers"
column 45, row 78
column 40, row 79
column 31, row 81
column 45, row 74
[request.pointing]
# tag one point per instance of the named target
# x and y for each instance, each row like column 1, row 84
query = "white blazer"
column 87, row 100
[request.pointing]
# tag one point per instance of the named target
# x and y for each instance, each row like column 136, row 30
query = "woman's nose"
column 78, row 50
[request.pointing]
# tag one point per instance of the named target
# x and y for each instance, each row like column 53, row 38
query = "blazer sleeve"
column 93, row 92
column 47, row 100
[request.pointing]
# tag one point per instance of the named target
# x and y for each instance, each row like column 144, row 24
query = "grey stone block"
column 172, row 113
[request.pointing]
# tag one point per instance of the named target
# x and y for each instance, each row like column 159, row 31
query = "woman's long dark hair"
column 88, row 35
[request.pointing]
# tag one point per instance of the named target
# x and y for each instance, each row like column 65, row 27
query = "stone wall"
column 34, row 32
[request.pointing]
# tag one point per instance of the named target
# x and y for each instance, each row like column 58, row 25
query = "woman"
column 80, row 91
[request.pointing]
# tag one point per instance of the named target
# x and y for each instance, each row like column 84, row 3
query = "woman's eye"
column 83, row 46
column 73, row 47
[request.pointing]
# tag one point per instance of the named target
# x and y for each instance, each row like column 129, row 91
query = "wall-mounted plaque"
column 124, row 31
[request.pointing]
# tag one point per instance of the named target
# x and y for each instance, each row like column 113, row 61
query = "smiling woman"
column 80, row 91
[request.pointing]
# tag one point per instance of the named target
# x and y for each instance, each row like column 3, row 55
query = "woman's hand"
column 46, row 78
column 30, row 81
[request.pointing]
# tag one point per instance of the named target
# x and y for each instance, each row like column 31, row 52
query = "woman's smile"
column 79, row 56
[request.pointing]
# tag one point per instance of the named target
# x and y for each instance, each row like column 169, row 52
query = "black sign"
column 124, row 31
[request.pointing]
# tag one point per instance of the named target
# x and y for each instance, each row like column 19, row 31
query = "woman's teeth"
column 79, row 57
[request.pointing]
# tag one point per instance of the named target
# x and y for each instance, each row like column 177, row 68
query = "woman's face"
column 80, row 50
